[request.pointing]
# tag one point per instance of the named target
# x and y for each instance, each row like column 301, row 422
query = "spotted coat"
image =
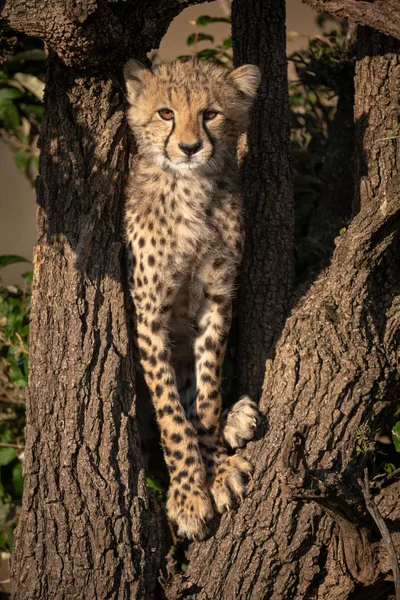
column 184, row 231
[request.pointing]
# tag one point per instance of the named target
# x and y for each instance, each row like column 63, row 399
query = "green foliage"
column 325, row 69
column 14, row 330
column 21, row 103
column 194, row 38
column 159, row 486
column 364, row 438
column 220, row 53
column 389, row 468
column 327, row 63
column 396, row 436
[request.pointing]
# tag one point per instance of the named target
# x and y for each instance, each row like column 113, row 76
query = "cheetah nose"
column 190, row 149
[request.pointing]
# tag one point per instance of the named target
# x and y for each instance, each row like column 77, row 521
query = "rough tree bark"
column 376, row 113
column 303, row 531
column 88, row 527
column 85, row 488
column 383, row 15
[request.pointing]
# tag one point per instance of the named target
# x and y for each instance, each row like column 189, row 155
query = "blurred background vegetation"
column 324, row 77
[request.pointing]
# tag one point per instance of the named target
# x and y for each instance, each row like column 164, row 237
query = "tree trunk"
column 89, row 528
column 303, row 531
column 259, row 37
column 86, row 508
column 376, row 113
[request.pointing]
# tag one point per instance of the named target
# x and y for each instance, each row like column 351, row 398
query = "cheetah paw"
column 240, row 422
column 232, row 476
column 190, row 510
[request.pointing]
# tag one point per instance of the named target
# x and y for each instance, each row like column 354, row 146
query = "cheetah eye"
column 209, row 115
column 166, row 113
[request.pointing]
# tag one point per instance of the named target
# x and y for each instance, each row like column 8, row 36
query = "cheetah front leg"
column 188, row 503
column 227, row 475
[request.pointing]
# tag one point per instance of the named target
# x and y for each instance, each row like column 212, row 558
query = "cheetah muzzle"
column 184, row 232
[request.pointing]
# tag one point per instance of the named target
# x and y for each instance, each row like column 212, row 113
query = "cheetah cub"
column 184, row 230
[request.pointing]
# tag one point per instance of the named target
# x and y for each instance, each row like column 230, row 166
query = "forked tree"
column 322, row 358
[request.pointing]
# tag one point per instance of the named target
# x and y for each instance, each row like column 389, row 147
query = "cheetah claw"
column 240, row 422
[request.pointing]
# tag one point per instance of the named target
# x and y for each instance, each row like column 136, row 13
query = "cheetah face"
column 188, row 115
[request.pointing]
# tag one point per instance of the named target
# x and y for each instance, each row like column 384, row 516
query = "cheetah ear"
column 247, row 79
column 135, row 74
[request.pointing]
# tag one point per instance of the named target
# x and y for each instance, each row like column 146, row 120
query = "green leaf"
column 6, row 436
column 8, row 114
column 10, row 259
column 206, row 54
column 389, row 468
column 18, row 479
column 9, row 93
column 153, row 484
column 227, row 43
column 198, row 37
column 396, row 436
column 7, row 455
column 204, row 20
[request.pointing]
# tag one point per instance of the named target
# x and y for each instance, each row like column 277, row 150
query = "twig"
column 384, row 478
column 12, row 401
column 387, row 139
column 380, row 522
column 16, row 446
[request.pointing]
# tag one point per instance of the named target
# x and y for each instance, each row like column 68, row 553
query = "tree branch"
column 383, row 528
column 343, row 503
column 383, row 15
column 340, row 502
column 94, row 34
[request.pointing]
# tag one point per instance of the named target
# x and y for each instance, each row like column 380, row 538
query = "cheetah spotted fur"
column 184, row 231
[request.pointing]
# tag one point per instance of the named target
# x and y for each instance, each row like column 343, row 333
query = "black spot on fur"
column 155, row 326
